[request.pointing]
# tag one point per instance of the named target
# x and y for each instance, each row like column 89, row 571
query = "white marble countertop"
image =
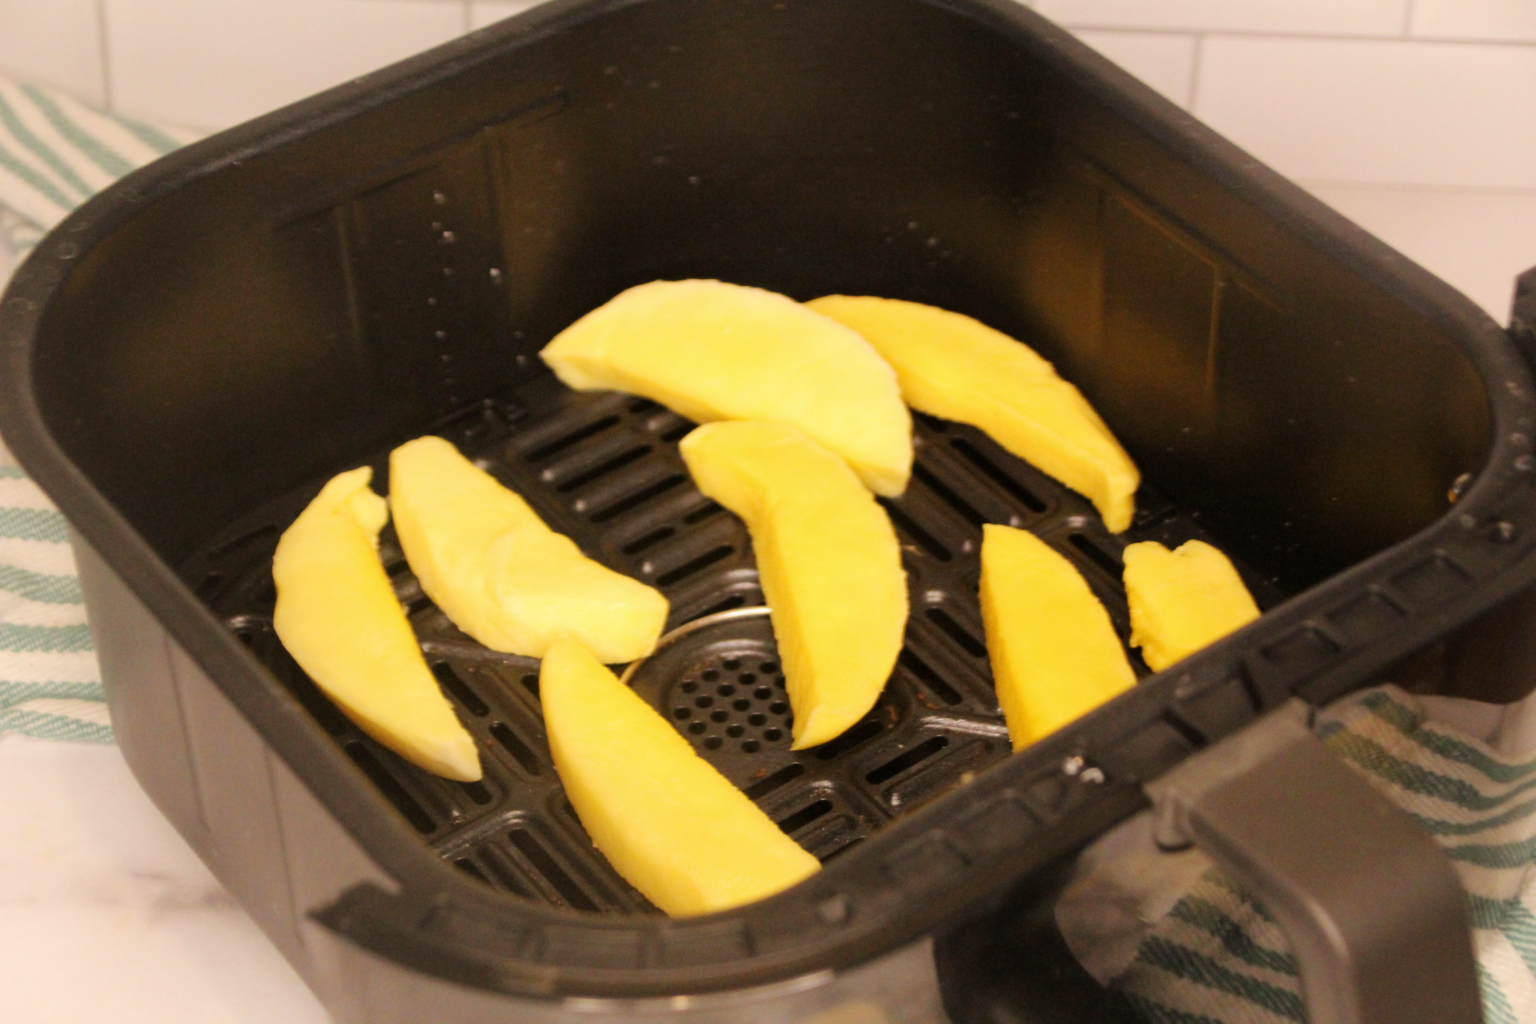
column 107, row 916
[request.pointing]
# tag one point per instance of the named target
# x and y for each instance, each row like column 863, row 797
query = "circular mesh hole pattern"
column 733, row 701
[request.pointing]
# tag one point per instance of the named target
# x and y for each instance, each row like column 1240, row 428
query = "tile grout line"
column 1408, row 14
column 106, row 60
column 1194, row 72
column 1488, row 191
column 1315, row 37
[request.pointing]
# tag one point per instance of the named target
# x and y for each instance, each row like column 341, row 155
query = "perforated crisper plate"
column 604, row 469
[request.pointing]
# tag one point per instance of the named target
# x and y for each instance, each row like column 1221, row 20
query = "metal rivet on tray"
column 1073, row 765
column 1092, row 776
column 1525, row 463
column 1503, row 532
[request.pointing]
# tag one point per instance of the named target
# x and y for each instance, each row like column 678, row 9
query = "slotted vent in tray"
column 604, row 469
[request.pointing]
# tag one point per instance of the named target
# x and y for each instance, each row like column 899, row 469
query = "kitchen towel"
column 55, row 152
column 1187, row 945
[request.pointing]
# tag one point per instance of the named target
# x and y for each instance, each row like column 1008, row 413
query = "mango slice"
column 665, row 818
column 828, row 561
column 952, row 366
column 714, row 351
column 1055, row 655
column 1182, row 600
column 499, row 573
column 338, row 617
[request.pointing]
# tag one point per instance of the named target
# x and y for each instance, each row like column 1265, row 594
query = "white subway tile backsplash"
column 1476, row 241
column 1509, row 20
column 55, row 42
column 211, row 64
column 1336, row 17
column 488, row 12
column 1366, row 111
column 1163, row 60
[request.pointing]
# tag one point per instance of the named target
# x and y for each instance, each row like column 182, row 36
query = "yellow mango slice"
column 665, row 818
column 714, row 351
column 1182, row 600
column 828, row 561
column 499, row 573
column 1055, row 655
column 952, row 366
column 338, row 617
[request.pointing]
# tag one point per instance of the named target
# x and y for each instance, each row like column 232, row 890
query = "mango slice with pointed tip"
column 338, row 617
column 715, row 351
column 1182, row 600
column 828, row 561
column 665, row 818
column 499, row 573
column 952, row 366
column 1055, row 654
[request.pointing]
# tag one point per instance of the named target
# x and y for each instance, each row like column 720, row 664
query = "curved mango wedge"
column 1182, row 600
column 828, row 561
column 715, row 351
column 952, row 366
column 665, row 818
column 338, row 617
column 499, row 574
column 1055, row 654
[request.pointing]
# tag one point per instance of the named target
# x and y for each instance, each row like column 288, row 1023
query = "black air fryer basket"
column 190, row 356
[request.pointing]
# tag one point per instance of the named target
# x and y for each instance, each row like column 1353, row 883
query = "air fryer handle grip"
column 1373, row 910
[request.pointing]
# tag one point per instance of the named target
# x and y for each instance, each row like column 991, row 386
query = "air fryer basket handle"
column 1373, row 910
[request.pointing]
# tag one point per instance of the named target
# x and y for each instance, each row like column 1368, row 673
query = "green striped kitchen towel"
column 1212, row 955
column 55, row 152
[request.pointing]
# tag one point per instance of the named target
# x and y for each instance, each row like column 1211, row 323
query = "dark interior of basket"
column 359, row 280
